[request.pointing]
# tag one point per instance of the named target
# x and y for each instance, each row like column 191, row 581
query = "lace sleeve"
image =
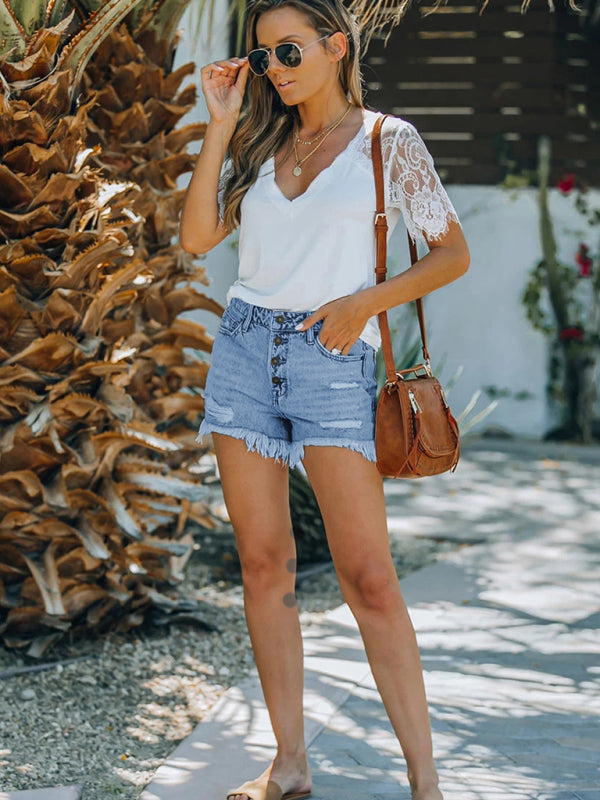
column 226, row 173
column 414, row 186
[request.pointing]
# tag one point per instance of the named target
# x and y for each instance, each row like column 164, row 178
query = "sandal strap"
column 259, row 790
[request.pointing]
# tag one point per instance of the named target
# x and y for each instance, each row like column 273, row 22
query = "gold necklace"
column 318, row 136
column 297, row 171
column 312, row 141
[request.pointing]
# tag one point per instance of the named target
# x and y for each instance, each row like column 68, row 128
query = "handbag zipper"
column 413, row 401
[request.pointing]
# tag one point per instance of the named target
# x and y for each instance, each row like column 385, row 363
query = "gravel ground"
column 108, row 720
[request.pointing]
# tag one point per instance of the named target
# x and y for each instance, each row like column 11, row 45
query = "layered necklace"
column 297, row 171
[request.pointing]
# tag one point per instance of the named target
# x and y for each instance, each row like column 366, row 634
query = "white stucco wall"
column 220, row 263
column 478, row 322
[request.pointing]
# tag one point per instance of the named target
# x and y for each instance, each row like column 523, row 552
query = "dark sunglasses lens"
column 259, row 61
column 289, row 54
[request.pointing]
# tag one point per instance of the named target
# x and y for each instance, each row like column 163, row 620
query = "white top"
column 297, row 255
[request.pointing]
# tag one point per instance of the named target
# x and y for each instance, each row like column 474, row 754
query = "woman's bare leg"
column 349, row 490
column 256, row 493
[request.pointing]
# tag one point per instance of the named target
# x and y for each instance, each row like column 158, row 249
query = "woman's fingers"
column 227, row 68
column 242, row 76
column 223, row 84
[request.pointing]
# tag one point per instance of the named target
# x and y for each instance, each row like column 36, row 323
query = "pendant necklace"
column 297, row 171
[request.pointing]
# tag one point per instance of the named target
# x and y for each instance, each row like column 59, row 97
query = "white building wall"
column 220, row 263
column 477, row 323
column 479, row 320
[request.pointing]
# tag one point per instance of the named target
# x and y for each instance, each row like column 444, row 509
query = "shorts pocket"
column 231, row 320
column 369, row 363
column 355, row 354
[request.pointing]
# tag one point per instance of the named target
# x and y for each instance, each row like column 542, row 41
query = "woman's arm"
column 223, row 84
column 199, row 226
column 414, row 186
column 447, row 260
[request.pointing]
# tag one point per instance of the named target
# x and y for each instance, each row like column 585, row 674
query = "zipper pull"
column 413, row 401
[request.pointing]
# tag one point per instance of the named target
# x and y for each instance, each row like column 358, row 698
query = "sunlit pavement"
column 508, row 631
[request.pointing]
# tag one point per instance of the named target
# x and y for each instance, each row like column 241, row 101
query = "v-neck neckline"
column 326, row 169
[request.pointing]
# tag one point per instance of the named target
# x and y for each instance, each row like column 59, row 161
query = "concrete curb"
column 236, row 740
column 57, row 793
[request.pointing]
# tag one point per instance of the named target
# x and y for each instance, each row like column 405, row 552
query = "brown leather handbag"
column 415, row 432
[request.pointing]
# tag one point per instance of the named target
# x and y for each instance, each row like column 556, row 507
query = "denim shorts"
column 280, row 389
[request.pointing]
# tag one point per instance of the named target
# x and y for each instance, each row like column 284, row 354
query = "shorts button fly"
column 275, row 360
column 278, row 340
column 280, row 318
column 276, row 379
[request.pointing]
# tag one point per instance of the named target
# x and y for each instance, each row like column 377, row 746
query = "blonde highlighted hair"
column 265, row 121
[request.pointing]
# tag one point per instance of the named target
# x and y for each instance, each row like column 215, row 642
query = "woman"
column 292, row 375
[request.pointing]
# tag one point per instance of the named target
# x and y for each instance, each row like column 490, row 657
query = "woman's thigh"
column 256, row 493
column 349, row 490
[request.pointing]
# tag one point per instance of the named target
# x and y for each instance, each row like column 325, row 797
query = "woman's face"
column 318, row 67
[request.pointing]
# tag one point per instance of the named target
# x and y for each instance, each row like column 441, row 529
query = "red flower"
column 583, row 261
column 573, row 332
column 567, row 182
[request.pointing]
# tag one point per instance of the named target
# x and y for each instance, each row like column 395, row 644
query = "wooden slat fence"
column 481, row 88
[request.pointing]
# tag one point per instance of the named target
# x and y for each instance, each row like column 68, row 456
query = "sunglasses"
column 288, row 54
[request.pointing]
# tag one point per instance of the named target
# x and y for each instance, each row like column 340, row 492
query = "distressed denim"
column 280, row 389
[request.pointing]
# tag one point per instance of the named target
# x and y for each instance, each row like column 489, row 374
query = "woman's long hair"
column 266, row 121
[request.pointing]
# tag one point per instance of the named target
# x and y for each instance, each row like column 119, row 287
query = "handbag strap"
column 381, row 228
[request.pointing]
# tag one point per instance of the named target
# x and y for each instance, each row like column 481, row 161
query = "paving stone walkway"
column 508, row 631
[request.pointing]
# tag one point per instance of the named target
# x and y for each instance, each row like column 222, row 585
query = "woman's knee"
column 373, row 588
column 264, row 566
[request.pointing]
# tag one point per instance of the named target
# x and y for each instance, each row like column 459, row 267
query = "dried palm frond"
column 98, row 402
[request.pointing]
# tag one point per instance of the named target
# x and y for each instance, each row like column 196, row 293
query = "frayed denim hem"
column 365, row 448
column 290, row 453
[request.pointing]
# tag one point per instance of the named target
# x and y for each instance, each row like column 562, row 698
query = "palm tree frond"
column 30, row 14
column 12, row 32
column 376, row 16
column 78, row 51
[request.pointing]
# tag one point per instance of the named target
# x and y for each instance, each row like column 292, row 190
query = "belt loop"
column 310, row 334
column 248, row 321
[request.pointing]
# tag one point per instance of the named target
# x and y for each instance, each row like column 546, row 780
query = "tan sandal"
column 271, row 790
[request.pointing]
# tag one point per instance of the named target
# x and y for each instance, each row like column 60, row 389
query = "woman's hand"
column 344, row 318
column 224, row 84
